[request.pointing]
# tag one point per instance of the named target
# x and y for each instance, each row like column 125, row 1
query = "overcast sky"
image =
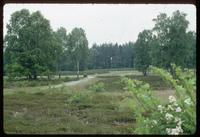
column 104, row 22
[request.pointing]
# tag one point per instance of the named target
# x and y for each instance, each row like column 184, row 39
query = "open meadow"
column 80, row 108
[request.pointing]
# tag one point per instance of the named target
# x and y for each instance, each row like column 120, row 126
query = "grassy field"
column 78, row 109
column 40, row 82
column 96, row 71
column 66, row 76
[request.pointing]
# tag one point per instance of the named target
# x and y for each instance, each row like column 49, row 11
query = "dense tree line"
column 32, row 48
column 110, row 55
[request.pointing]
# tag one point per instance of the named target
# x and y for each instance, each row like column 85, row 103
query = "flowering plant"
column 178, row 116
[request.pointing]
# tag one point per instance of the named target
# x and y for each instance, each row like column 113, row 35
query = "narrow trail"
column 84, row 81
column 72, row 83
column 80, row 84
column 43, row 88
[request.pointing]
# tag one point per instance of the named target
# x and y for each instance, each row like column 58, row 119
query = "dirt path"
column 80, row 84
column 72, row 83
column 88, row 79
column 84, row 81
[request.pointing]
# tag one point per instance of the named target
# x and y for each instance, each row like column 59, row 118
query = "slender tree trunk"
column 77, row 64
column 29, row 77
column 58, row 71
column 35, row 76
column 145, row 73
column 59, row 75
column 48, row 75
column 172, row 71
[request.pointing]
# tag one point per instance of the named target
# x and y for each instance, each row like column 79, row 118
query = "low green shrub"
column 78, row 98
column 66, row 79
column 98, row 87
column 123, row 82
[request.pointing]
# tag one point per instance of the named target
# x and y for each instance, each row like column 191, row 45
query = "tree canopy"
column 78, row 48
column 32, row 48
column 142, row 58
column 29, row 49
column 172, row 44
column 109, row 55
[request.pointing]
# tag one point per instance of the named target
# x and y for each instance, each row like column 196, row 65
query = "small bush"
column 98, row 87
column 123, row 81
column 66, row 79
column 78, row 98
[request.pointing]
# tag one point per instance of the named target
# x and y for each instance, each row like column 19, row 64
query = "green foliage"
column 191, row 57
column 185, row 84
column 14, row 70
column 52, row 112
column 176, row 117
column 78, row 48
column 60, row 40
column 155, row 81
column 126, row 104
column 79, row 98
column 123, row 81
column 142, row 58
column 84, row 75
column 98, row 87
column 111, row 55
column 29, row 44
column 171, row 41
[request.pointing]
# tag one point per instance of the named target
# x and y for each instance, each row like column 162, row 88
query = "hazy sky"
column 104, row 22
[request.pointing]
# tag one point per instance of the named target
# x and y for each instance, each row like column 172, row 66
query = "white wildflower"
column 178, row 109
column 188, row 101
column 179, row 123
column 177, row 119
column 179, row 129
column 168, row 116
column 174, row 131
column 172, row 99
column 168, row 130
column 169, row 107
column 160, row 108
